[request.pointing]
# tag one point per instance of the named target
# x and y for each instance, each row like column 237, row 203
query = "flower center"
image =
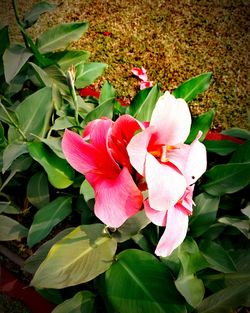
column 160, row 152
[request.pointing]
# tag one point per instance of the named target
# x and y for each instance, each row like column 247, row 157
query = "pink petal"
column 140, row 73
column 137, row 149
column 88, row 158
column 145, row 84
column 175, row 232
column 157, row 217
column 172, row 120
column 196, row 163
column 115, row 199
column 186, row 202
column 121, row 133
column 165, row 185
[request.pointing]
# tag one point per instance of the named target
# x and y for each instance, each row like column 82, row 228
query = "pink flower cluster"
column 143, row 77
column 123, row 158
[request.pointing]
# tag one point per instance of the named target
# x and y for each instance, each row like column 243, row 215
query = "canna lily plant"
column 125, row 207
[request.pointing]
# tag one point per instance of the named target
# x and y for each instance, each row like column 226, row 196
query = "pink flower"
column 102, row 157
column 147, row 84
column 169, row 166
column 140, row 73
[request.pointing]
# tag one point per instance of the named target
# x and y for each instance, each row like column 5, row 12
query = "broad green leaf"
column 106, row 104
column 226, row 300
column 192, row 289
column 32, row 16
column 34, row 261
column 55, row 145
column 87, row 191
column 144, row 112
column 22, row 163
column 7, row 115
column 227, row 178
column 12, row 152
column 63, row 122
column 192, row 87
column 131, row 227
column 221, row 147
column 67, row 58
column 14, row 59
column 48, row 217
column 38, row 190
column 242, row 154
column 137, row 101
column 8, row 208
column 204, row 213
column 60, row 173
column 83, row 301
column 61, row 36
column 11, row 229
column 87, row 73
column 3, row 140
column 242, row 225
column 237, row 132
column 52, row 295
column 77, row 258
column 138, row 282
column 217, row 257
column 191, row 258
column 34, row 113
column 203, row 122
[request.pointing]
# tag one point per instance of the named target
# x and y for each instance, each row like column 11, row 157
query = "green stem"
column 19, row 23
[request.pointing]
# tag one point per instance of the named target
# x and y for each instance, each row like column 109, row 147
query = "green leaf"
column 137, row 101
column 63, row 122
column 34, row 113
column 144, row 112
column 34, row 261
column 7, row 115
column 131, row 227
column 83, row 301
column 67, row 58
column 14, row 59
column 227, row 178
column 55, row 145
column 60, row 173
column 192, row 87
column 12, row 152
column 226, row 300
column 217, row 257
column 32, row 16
column 38, row 190
column 77, row 258
column 87, row 191
column 192, row 289
column 106, row 104
column 221, row 147
column 5, row 42
column 11, row 229
column 237, row 132
column 203, row 122
column 48, row 217
column 8, row 208
column 204, row 214
column 246, row 210
column 138, row 282
column 242, row 225
column 87, row 73
column 242, row 154
column 61, row 36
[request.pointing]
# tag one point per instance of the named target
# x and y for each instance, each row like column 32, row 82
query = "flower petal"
column 137, row 149
column 157, row 217
column 115, row 199
column 175, row 232
column 165, row 185
column 121, row 133
column 172, row 119
column 140, row 73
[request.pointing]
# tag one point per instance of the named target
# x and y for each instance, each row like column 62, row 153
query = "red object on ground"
column 12, row 287
column 214, row 135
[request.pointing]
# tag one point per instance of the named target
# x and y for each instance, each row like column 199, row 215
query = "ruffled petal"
column 175, row 232
column 172, row 119
column 115, row 199
column 137, row 149
column 121, row 133
column 157, row 217
column 165, row 185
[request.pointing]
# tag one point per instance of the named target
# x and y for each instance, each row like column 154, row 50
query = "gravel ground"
column 174, row 40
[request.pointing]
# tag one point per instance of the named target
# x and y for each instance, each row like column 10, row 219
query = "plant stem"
column 19, row 23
